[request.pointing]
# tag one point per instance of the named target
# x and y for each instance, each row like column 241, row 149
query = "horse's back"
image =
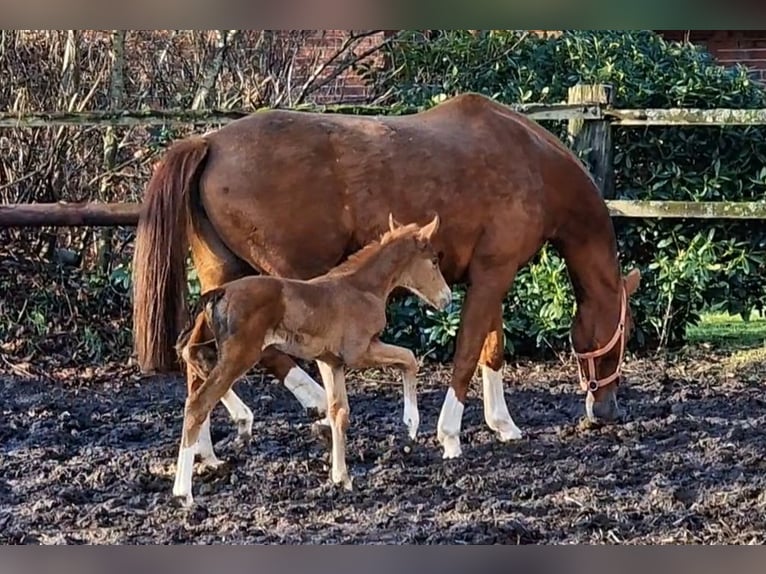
column 294, row 192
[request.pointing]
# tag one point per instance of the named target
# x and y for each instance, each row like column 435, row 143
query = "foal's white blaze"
column 239, row 412
column 182, row 487
column 495, row 408
column 450, row 420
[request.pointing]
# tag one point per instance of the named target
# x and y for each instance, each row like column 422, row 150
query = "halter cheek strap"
column 589, row 380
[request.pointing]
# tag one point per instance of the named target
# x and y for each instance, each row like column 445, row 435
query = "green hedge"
column 688, row 266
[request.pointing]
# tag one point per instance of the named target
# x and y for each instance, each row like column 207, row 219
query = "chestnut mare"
column 291, row 194
column 334, row 319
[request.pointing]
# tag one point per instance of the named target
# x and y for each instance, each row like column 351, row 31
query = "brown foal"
column 334, row 319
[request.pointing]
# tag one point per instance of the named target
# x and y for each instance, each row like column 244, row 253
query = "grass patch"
column 729, row 331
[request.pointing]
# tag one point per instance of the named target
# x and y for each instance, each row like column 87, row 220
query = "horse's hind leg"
column 491, row 362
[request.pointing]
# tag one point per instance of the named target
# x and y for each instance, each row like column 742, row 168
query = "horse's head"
column 420, row 273
column 600, row 369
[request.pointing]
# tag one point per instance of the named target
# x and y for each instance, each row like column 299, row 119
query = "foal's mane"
column 359, row 258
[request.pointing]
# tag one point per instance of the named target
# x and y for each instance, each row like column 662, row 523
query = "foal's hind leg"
column 491, row 362
column 231, row 365
column 338, row 412
column 200, row 359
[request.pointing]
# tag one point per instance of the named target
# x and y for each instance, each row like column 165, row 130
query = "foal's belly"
column 301, row 345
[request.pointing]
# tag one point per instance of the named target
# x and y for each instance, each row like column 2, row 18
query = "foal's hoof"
column 185, row 501
column 314, row 413
column 407, row 442
column 346, row 482
column 244, row 439
column 214, row 466
column 321, row 430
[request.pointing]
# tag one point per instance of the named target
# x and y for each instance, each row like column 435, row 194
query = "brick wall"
column 348, row 87
column 729, row 47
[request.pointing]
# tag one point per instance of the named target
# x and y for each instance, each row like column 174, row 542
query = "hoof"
column 451, row 446
column 321, row 430
column 507, row 431
column 408, row 443
column 314, row 413
column 345, row 482
column 185, row 501
column 212, row 465
column 245, row 431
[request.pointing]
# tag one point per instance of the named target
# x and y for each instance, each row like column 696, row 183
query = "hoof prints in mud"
column 94, row 463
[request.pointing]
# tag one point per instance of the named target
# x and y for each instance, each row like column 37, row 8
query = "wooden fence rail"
column 134, row 118
column 589, row 113
column 113, row 214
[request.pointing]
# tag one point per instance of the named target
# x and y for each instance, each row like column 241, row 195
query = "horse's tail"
column 159, row 259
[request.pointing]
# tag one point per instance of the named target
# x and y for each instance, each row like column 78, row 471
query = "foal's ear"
column 429, row 230
column 632, row 280
column 393, row 224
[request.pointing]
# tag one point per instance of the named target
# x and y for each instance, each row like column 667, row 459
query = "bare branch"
column 225, row 38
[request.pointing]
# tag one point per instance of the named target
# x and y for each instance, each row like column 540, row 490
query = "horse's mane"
column 357, row 259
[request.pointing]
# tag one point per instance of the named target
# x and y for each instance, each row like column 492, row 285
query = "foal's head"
column 418, row 270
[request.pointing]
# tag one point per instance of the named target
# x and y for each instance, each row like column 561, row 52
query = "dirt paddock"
column 88, row 457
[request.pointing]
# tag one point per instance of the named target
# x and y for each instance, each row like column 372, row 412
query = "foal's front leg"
column 381, row 354
column 338, row 415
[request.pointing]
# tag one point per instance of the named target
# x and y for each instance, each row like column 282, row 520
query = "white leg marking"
column 495, row 408
column 411, row 415
column 182, row 487
column 448, row 429
column 240, row 413
column 308, row 392
column 204, row 447
column 335, row 385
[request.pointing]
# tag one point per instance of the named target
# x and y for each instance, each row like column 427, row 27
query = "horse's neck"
column 594, row 271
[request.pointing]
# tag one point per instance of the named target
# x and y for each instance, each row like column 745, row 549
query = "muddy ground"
column 87, row 456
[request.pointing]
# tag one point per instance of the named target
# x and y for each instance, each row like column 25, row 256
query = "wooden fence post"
column 594, row 137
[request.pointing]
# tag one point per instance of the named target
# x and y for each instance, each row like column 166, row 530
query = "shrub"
column 688, row 266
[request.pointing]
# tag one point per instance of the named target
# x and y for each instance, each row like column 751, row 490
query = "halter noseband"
column 588, row 378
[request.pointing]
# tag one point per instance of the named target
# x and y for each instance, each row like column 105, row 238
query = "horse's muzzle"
column 604, row 410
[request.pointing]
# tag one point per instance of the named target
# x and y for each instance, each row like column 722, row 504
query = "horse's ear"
column 429, row 230
column 393, row 224
column 632, row 281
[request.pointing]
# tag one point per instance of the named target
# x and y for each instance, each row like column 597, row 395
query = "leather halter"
column 588, row 377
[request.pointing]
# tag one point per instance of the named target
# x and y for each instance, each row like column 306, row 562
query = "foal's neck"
column 379, row 273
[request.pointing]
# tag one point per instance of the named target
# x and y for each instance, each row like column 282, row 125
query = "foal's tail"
column 159, row 259
column 215, row 319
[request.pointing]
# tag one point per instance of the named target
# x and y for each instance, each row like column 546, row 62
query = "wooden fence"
column 589, row 113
